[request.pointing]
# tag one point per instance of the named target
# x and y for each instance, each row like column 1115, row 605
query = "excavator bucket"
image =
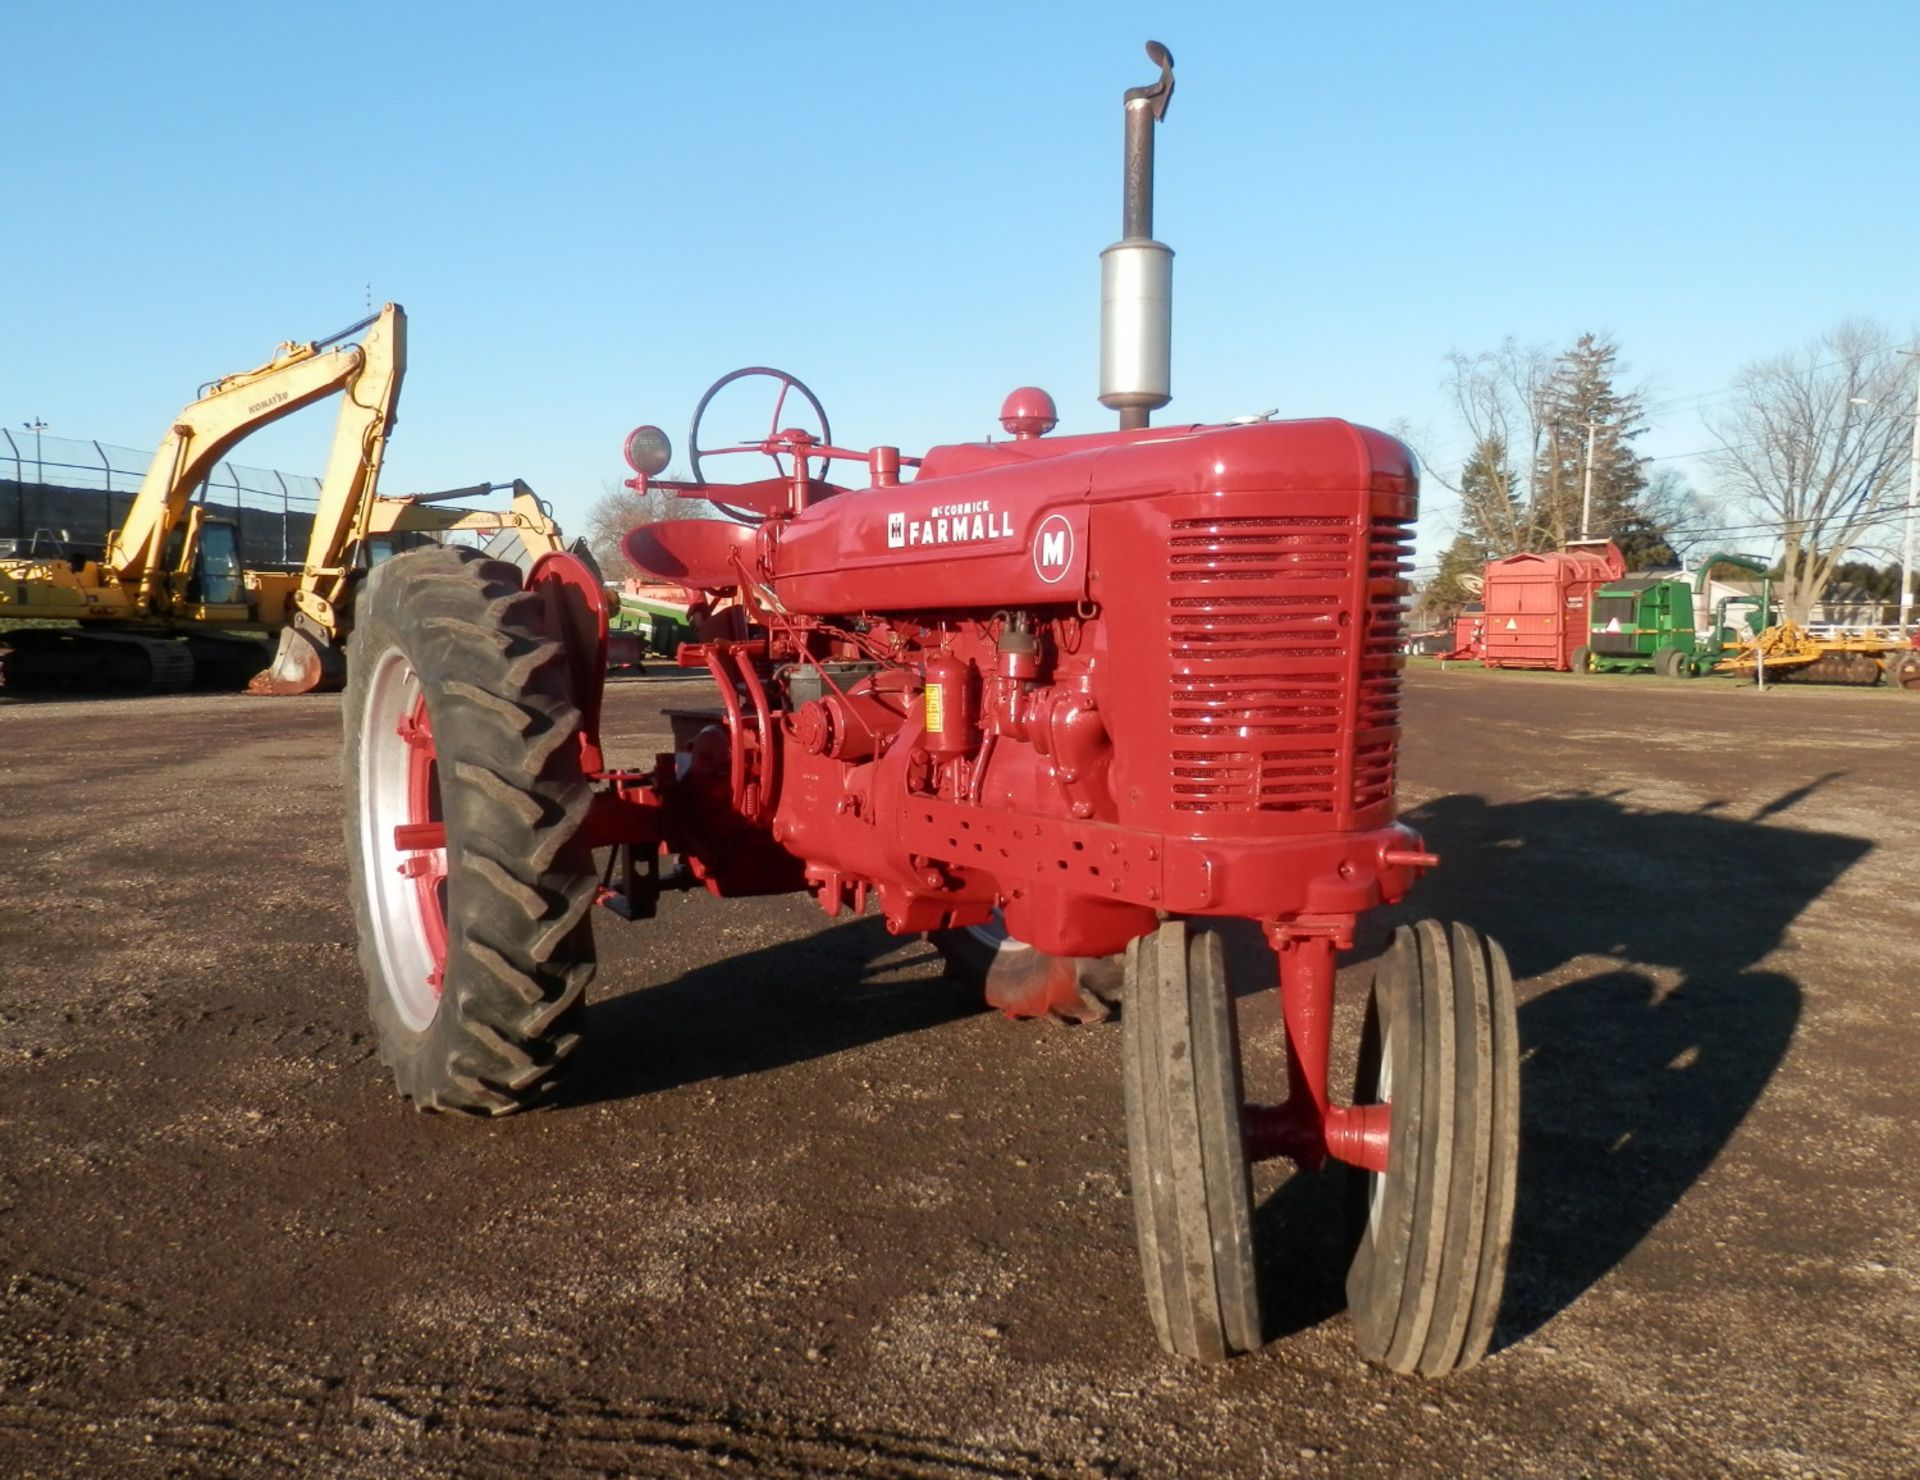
column 302, row 665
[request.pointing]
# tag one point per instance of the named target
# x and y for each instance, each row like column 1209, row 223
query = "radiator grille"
column 1377, row 715
column 1261, row 625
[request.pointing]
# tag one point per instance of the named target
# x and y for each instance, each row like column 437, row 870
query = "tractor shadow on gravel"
column 1634, row 1075
column 785, row 1003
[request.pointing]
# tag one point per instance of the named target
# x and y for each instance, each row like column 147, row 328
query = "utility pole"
column 1913, row 497
column 1586, row 497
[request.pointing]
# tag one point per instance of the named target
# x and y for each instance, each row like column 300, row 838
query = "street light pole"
column 1586, row 496
column 37, row 426
column 1913, row 497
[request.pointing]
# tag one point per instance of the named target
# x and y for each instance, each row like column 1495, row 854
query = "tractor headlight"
column 648, row 451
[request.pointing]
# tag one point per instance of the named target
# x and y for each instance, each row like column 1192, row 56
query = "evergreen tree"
column 1580, row 392
column 1493, row 514
column 1456, row 584
column 1643, row 543
column 1526, row 412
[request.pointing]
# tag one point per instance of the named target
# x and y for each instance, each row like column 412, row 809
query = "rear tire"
column 1582, row 660
column 1906, row 673
column 458, row 712
column 1192, row 1195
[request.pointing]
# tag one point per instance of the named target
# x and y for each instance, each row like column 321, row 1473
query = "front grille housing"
column 1276, row 625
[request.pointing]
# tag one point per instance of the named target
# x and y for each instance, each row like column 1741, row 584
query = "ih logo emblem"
column 1053, row 548
column 897, row 530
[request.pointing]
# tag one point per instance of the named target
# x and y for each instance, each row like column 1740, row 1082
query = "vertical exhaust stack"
column 1136, row 272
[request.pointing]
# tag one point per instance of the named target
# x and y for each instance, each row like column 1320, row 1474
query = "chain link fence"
column 74, row 493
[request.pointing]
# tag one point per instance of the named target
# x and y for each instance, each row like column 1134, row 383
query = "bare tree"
column 619, row 509
column 1813, row 445
column 1498, row 394
column 1666, row 519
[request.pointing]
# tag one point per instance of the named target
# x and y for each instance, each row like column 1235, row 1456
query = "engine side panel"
column 998, row 537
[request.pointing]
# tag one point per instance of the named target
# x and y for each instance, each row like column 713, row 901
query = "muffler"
column 1136, row 272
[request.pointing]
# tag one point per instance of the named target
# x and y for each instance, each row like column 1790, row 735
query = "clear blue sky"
column 590, row 211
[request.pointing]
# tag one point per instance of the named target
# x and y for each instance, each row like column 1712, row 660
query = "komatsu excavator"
column 170, row 593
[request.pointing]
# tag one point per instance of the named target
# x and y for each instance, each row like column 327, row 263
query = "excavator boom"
column 297, row 376
column 157, row 583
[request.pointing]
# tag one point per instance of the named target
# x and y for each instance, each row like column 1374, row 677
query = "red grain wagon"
column 1537, row 606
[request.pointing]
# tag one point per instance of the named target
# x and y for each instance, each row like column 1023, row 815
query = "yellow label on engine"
column 936, row 709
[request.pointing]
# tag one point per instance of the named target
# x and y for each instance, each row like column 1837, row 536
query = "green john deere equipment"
column 1646, row 624
column 659, row 622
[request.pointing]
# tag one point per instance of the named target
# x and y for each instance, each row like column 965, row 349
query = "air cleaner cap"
column 1029, row 412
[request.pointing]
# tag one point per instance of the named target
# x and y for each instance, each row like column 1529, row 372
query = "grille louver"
column 1260, row 628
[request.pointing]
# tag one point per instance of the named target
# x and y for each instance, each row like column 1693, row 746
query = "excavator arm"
column 347, row 495
column 311, row 653
column 405, row 513
column 298, row 375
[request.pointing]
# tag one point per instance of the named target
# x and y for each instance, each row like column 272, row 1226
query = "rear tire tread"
column 521, row 880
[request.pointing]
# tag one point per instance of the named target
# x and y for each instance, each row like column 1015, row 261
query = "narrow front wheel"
column 1192, row 1195
column 1440, row 1045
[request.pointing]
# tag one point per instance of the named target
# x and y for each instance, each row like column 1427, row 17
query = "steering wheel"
column 787, row 383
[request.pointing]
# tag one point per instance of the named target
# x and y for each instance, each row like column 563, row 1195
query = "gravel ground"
column 802, row 1209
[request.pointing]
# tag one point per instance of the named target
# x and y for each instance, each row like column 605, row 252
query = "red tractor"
column 1054, row 700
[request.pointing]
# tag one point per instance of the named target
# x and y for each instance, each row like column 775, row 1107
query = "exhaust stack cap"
column 1136, row 272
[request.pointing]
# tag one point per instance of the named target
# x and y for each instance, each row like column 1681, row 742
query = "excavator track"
column 68, row 658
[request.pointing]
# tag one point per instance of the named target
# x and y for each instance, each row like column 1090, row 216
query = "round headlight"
column 648, row 451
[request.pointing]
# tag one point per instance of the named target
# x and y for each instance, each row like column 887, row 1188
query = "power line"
column 1728, row 390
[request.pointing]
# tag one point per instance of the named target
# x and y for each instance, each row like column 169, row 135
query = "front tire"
column 1581, row 660
column 1192, row 1195
column 1431, row 1234
column 470, row 879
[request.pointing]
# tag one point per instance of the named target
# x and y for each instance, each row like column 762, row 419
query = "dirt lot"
column 803, row 1210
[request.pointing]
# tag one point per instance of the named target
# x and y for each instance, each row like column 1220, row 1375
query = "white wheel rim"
column 1383, row 1093
column 407, row 962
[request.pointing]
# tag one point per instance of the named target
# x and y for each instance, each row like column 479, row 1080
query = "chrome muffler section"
column 1136, row 272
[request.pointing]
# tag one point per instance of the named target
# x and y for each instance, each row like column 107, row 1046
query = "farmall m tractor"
column 1053, row 700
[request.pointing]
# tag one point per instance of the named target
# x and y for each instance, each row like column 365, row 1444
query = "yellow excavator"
column 170, row 592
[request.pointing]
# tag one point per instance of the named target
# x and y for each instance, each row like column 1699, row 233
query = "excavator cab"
column 215, row 579
column 202, row 559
